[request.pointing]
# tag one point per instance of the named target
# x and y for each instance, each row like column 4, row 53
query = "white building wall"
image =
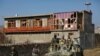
column 17, row 23
column 5, row 24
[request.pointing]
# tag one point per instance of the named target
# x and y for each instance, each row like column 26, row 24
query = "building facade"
column 42, row 28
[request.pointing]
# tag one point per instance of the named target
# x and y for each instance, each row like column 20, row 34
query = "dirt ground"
column 92, row 52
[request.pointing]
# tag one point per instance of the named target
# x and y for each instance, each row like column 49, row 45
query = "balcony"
column 28, row 29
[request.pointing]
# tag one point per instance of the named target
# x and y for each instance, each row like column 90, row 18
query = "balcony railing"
column 28, row 29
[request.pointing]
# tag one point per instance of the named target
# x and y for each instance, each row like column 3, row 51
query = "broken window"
column 37, row 22
column 68, row 20
column 68, row 25
column 72, row 21
column 73, row 15
column 23, row 23
column 11, row 23
column 56, row 23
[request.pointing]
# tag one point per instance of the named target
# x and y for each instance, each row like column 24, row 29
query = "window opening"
column 23, row 23
column 37, row 22
column 11, row 23
column 72, row 21
column 74, row 14
column 69, row 25
column 68, row 20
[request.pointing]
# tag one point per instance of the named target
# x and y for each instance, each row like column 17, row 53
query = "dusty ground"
column 92, row 52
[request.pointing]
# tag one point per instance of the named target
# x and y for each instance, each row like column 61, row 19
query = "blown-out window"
column 11, row 23
column 71, row 21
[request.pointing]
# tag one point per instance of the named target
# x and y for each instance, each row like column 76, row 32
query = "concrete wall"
column 40, row 37
column 87, row 40
column 87, row 35
column 37, row 37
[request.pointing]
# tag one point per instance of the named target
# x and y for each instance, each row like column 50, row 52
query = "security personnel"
column 62, row 41
column 55, row 42
column 51, row 48
column 69, row 43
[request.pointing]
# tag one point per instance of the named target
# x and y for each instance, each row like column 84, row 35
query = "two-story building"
column 42, row 28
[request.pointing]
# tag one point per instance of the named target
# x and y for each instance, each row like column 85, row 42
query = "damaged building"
column 42, row 28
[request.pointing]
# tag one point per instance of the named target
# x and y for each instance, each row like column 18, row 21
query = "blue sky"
column 31, row 7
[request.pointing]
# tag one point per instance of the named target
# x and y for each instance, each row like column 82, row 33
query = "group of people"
column 59, row 42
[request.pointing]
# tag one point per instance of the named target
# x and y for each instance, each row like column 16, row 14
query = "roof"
column 36, row 15
column 39, row 15
column 28, row 16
